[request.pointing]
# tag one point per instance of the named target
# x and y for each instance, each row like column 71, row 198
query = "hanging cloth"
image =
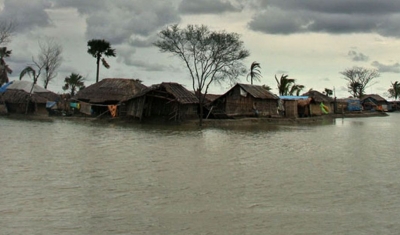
column 86, row 108
column 113, row 110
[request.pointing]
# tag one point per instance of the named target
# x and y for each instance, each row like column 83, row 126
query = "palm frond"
column 28, row 70
column 105, row 64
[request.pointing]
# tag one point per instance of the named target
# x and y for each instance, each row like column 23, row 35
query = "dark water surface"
column 67, row 177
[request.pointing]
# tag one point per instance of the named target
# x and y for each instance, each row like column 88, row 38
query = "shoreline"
column 245, row 121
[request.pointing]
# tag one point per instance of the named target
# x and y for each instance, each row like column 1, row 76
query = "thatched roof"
column 373, row 96
column 110, row 90
column 18, row 92
column 181, row 94
column 171, row 91
column 256, row 91
column 318, row 96
column 212, row 97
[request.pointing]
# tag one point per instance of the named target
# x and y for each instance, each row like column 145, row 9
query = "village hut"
column 374, row 102
column 247, row 100
column 395, row 105
column 288, row 105
column 25, row 97
column 165, row 101
column 321, row 104
column 108, row 96
column 348, row 105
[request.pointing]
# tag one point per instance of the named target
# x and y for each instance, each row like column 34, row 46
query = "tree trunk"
column 98, row 67
column 201, row 113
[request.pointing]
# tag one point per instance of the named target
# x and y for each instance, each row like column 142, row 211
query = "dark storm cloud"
column 337, row 6
column 25, row 14
column 206, row 7
column 339, row 16
column 357, row 56
column 383, row 68
column 117, row 21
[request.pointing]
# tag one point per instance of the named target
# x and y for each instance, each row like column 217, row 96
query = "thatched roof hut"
column 17, row 94
column 317, row 99
column 107, row 96
column 374, row 101
column 288, row 105
column 166, row 100
column 247, row 100
column 110, row 91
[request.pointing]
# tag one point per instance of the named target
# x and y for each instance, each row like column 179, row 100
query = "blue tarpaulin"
column 354, row 105
column 292, row 97
column 4, row 87
column 50, row 104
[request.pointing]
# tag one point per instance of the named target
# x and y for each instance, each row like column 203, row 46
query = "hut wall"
column 41, row 109
column 316, row 109
column 151, row 107
column 135, row 107
column 291, row 110
column 171, row 110
column 239, row 105
column 189, row 111
column 18, row 108
column 341, row 107
column 3, row 109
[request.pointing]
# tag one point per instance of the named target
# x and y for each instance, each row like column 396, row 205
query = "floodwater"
column 68, row 177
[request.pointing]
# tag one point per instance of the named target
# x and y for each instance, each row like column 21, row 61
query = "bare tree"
column 49, row 58
column 359, row 79
column 209, row 56
column 6, row 29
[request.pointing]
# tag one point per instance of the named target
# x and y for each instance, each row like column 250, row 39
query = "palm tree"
column 255, row 72
column 394, row 91
column 73, row 82
column 328, row 92
column 98, row 48
column 296, row 89
column 284, row 84
column 266, row 87
column 4, row 69
column 31, row 72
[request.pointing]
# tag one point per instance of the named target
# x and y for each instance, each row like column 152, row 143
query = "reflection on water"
column 67, row 177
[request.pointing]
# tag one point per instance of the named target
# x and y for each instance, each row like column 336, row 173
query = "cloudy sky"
column 310, row 40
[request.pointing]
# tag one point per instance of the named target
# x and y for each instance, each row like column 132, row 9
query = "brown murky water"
column 65, row 177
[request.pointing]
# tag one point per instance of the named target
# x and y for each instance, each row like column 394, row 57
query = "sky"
column 311, row 41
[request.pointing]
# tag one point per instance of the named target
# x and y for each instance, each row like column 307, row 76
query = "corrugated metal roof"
column 110, row 89
column 258, row 91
